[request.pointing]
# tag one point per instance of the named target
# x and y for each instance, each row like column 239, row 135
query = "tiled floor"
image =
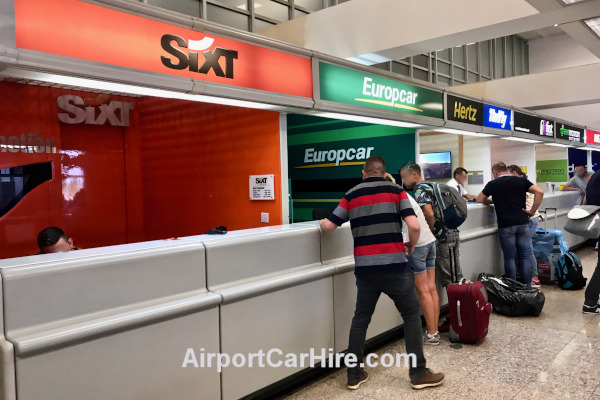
column 553, row 356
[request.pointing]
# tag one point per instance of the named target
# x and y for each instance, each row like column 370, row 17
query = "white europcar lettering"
column 392, row 94
column 337, row 156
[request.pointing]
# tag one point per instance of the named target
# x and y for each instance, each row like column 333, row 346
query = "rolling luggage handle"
column 546, row 218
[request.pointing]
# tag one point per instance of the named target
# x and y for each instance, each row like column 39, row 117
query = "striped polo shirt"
column 375, row 209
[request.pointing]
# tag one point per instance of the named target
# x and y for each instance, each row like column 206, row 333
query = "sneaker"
column 355, row 383
column 595, row 309
column 444, row 327
column 536, row 283
column 429, row 379
column 432, row 340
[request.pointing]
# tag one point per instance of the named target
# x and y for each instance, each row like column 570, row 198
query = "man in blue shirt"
column 508, row 194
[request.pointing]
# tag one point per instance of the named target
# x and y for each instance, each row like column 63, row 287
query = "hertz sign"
column 463, row 110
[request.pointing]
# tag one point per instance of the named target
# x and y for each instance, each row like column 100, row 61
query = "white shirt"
column 455, row 185
column 425, row 237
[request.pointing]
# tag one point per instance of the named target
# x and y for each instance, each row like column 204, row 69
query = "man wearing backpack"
column 447, row 261
column 508, row 194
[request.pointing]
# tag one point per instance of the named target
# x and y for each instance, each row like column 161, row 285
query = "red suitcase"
column 469, row 312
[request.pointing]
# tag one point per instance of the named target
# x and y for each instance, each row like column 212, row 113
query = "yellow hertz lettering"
column 462, row 112
column 336, row 158
column 388, row 96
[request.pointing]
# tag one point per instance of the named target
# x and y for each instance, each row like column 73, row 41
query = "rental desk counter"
column 116, row 322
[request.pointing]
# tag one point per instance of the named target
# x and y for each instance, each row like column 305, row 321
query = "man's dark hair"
column 411, row 167
column 459, row 171
column 580, row 165
column 49, row 236
column 374, row 166
column 499, row 167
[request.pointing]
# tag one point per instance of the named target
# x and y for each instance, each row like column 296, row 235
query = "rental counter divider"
column 116, row 322
column 110, row 323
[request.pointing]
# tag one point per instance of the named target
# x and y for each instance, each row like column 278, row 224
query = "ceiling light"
column 555, row 25
column 557, row 145
column 571, row 1
column 132, row 89
column 465, row 133
column 370, row 120
column 594, row 25
column 519, row 139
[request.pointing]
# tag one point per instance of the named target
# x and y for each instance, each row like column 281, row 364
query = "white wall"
column 557, row 52
column 476, row 155
column 518, row 153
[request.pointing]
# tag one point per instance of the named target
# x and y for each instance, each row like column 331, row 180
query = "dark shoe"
column 356, row 382
column 595, row 309
column 428, row 379
column 444, row 327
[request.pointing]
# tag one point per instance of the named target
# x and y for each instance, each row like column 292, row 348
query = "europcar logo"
column 191, row 58
column 336, row 157
column 386, row 95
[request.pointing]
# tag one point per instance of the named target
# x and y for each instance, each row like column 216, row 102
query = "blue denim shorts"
column 422, row 259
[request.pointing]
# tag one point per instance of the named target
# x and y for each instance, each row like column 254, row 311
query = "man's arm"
column 537, row 200
column 482, row 198
column 337, row 217
column 429, row 217
column 327, row 225
column 414, row 230
column 568, row 188
column 469, row 196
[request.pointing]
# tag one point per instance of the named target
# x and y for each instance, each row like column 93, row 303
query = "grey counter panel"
column 293, row 320
column 88, row 281
column 112, row 322
column 239, row 260
column 139, row 364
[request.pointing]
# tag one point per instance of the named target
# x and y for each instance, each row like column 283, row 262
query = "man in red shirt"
column 375, row 209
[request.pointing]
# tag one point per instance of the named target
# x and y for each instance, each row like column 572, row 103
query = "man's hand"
column 410, row 248
column 529, row 212
column 326, row 225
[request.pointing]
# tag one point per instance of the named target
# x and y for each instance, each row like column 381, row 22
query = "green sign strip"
column 363, row 132
column 348, row 86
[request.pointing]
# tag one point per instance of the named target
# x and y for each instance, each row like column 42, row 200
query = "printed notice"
column 262, row 187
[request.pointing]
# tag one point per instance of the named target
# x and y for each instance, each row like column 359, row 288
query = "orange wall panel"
column 197, row 159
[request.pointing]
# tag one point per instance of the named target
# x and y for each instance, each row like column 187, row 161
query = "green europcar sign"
column 348, row 86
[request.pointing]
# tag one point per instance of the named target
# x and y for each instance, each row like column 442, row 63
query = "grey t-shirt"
column 580, row 183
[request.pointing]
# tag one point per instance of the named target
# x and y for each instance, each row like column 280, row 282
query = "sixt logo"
column 190, row 59
column 261, row 181
column 79, row 110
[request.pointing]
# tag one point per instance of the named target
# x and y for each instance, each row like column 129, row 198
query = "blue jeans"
column 533, row 225
column 516, row 240
column 400, row 287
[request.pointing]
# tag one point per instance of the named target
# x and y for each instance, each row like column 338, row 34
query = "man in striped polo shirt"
column 375, row 209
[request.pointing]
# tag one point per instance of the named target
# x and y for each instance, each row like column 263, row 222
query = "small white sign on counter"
column 262, row 187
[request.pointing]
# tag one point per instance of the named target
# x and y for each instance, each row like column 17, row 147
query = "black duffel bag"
column 512, row 298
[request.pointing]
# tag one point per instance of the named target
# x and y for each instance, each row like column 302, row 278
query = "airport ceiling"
column 374, row 31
